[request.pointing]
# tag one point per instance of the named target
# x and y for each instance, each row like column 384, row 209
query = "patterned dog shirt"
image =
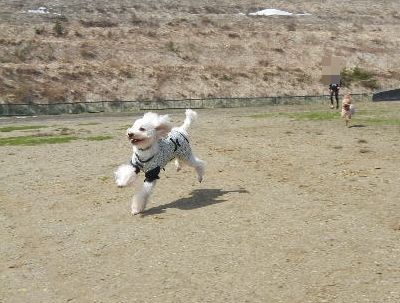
column 176, row 145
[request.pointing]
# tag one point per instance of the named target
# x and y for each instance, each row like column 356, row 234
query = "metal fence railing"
column 132, row 106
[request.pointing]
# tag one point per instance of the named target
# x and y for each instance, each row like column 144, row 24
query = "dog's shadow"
column 199, row 198
column 357, row 125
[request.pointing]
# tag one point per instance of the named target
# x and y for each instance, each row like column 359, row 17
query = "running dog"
column 348, row 109
column 155, row 143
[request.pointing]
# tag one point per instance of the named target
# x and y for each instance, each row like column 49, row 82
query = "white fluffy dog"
column 155, row 143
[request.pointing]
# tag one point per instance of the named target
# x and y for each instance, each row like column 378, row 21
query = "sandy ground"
column 289, row 211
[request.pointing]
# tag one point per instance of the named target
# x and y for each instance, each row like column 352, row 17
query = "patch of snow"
column 42, row 10
column 275, row 12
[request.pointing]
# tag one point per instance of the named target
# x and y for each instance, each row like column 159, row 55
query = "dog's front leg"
column 125, row 175
column 140, row 199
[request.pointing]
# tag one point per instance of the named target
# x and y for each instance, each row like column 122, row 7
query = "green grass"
column 316, row 115
column 124, row 127
column 21, row 127
column 368, row 117
column 98, row 138
column 379, row 121
column 36, row 140
column 378, row 117
column 265, row 115
column 89, row 123
column 104, row 178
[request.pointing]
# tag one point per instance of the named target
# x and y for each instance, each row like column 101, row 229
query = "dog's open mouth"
column 135, row 141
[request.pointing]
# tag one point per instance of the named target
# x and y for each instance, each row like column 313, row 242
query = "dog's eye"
column 142, row 129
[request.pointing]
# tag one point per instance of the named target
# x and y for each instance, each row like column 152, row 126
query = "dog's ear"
column 163, row 126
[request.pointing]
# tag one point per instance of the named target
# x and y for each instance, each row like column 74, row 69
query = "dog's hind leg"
column 199, row 166
column 178, row 165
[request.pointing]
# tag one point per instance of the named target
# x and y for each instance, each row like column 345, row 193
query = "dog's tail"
column 191, row 116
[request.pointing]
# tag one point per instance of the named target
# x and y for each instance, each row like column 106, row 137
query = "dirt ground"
column 291, row 210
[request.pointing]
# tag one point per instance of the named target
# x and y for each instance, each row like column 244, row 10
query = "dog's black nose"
column 130, row 135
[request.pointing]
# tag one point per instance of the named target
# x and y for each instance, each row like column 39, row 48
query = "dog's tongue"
column 136, row 140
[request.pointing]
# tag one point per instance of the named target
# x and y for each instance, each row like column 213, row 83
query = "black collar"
column 143, row 149
column 143, row 161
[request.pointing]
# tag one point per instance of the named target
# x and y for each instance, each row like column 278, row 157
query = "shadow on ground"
column 199, row 198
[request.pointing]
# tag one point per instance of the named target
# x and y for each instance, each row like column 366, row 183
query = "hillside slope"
column 131, row 50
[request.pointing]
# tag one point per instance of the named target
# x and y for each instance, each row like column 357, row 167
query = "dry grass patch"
column 36, row 140
column 20, row 127
column 99, row 138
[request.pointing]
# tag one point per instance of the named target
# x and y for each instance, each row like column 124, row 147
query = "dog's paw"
column 124, row 175
column 177, row 165
column 137, row 206
column 135, row 211
column 120, row 184
column 200, row 171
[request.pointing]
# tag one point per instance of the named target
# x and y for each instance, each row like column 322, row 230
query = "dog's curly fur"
column 155, row 143
column 348, row 109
